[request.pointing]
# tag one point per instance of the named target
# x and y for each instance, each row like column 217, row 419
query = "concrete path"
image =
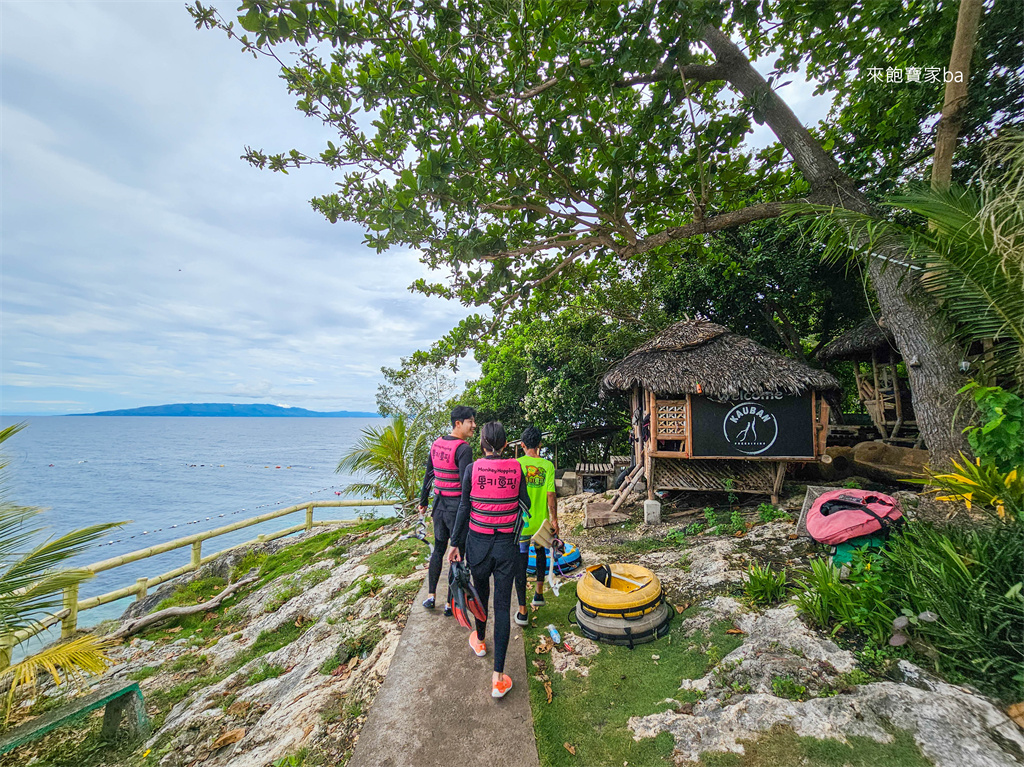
column 435, row 707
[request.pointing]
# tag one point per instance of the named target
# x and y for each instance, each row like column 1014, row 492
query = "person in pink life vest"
column 447, row 461
column 486, row 533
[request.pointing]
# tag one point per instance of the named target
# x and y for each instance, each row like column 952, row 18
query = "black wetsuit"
column 491, row 555
column 445, row 509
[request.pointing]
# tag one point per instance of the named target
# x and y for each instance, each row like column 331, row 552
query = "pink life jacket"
column 839, row 515
column 494, row 496
column 446, row 471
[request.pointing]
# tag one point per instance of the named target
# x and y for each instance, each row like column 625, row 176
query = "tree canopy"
column 527, row 148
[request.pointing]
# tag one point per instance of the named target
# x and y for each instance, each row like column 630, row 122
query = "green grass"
column 144, row 673
column 398, row 600
column 265, row 671
column 399, row 558
column 194, row 592
column 590, row 713
column 189, row 662
column 781, row 747
column 357, row 646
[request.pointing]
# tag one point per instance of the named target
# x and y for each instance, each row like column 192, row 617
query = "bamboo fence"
column 68, row 617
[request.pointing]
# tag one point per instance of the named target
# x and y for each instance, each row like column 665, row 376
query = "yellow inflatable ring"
column 618, row 591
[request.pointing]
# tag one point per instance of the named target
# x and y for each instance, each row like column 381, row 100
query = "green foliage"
column 785, row 687
column 764, row 586
column 971, row 579
column 366, row 586
column 422, row 391
column 622, row 132
column 33, row 576
column 768, row 513
column 544, row 371
column 999, row 439
column 195, row 591
column 190, row 662
column 852, row 484
column 393, row 456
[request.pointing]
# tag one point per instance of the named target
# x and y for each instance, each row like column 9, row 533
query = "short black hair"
column 492, row 436
column 462, row 413
column 531, row 437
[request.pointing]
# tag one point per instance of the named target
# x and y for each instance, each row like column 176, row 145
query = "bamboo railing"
column 68, row 617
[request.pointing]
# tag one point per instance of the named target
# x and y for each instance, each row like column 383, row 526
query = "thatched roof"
column 699, row 357
column 868, row 336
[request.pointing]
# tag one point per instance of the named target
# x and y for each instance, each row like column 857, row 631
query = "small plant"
column 821, row 597
column 768, row 513
column 694, row 528
column 292, row 760
column 763, row 586
column 729, row 485
column 710, row 516
column 852, row 484
column 736, row 521
column 676, row 537
column 785, row 687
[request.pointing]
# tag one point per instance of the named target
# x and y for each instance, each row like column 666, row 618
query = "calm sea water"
column 171, row 477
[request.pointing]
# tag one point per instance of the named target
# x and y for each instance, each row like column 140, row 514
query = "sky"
column 142, row 262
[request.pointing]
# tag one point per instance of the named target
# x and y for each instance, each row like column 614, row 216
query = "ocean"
column 169, row 477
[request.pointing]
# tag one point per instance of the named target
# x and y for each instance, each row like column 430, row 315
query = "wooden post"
column 780, row 476
column 197, row 554
column 142, row 584
column 70, row 622
column 309, row 517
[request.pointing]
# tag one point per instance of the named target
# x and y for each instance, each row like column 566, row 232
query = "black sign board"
column 765, row 427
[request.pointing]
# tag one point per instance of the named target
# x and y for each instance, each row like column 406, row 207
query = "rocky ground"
column 281, row 675
column 783, row 673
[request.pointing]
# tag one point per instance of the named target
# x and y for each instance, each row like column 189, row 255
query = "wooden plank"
column 637, row 475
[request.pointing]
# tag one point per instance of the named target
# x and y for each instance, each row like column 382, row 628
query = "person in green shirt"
column 540, row 486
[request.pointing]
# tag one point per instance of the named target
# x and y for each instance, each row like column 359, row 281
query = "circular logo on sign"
column 750, row 428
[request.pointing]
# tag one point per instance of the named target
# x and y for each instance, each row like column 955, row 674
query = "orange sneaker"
column 477, row 645
column 503, row 685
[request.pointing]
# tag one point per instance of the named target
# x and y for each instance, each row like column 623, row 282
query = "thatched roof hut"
column 860, row 342
column 700, row 357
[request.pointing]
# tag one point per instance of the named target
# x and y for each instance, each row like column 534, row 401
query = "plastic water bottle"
column 555, row 636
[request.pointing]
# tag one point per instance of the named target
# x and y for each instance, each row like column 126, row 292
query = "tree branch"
column 717, row 223
column 135, row 626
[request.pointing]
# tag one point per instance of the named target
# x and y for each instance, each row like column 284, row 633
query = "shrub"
column 971, row 579
column 763, row 586
column 1000, row 439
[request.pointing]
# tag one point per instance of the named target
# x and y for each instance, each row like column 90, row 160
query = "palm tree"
column 32, row 583
column 971, row 255
column 393, row 456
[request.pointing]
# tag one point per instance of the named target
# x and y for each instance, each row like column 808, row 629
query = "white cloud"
column 143, row 261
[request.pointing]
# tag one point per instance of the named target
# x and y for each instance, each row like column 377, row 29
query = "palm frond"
column 75, row 659
column 392, row 455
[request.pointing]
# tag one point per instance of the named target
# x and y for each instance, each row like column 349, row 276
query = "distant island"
column 218, row 410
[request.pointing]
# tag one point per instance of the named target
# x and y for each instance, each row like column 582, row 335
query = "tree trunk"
column 921, row 333
column 956, row 92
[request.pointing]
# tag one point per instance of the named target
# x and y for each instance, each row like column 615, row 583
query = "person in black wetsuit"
column 486, row 533
column 447, row 461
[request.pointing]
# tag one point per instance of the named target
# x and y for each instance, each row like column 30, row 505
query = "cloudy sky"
column 144, row 263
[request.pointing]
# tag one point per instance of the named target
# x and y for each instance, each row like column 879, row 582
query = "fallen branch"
column 136, row 625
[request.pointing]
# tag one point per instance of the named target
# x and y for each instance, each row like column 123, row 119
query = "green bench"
column 124, row 712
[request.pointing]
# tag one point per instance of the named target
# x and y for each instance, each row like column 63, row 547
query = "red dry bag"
column 839, row 515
